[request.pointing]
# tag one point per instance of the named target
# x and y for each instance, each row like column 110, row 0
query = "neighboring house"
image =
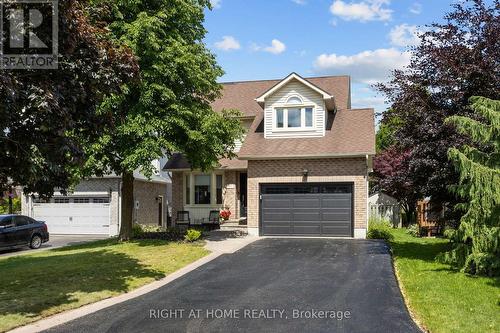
column 385, row 206
column 94, row 205
column 302, row 168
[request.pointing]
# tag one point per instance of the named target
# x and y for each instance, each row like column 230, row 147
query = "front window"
column 203, row 188
column 202, row 185
column 279, row 118
column 294, row 118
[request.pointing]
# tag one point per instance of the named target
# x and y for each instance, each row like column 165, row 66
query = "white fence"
column 390, row 212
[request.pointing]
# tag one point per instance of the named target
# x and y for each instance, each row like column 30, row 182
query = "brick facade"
column 146, row 193
column 320, row 170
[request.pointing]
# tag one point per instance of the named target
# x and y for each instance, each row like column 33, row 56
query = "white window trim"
column 213, row 188
column 285, row 127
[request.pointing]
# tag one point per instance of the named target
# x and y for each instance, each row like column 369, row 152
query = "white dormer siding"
column 246, row 123
column 288, row 96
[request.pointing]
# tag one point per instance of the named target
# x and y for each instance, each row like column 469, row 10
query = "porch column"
column 231, row 195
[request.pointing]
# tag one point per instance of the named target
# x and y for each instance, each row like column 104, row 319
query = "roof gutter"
column 311, row 156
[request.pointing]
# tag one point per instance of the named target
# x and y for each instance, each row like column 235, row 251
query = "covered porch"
column 198, row 193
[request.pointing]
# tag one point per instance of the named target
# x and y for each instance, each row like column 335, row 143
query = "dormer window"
column 294, row 115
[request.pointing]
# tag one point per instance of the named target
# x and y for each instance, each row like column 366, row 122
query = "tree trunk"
column 127, row 205
column 410, row 214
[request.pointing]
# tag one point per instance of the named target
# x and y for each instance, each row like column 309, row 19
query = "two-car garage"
column 74, row 215
column 306, row 209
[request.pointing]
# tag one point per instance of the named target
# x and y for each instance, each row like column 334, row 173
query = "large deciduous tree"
column 391, row 168
column 477, row 240
column 169, row 109
column 456, row 60
column 45, row 115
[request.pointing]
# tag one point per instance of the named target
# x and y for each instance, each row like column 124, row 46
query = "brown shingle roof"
column 351, row 132
column 241, row 95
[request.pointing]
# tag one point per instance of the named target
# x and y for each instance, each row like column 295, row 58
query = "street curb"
column 69, row 315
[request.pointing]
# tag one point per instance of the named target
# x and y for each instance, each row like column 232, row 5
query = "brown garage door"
column 323, row 209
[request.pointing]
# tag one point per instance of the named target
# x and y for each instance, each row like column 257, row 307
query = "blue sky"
column 259, row 39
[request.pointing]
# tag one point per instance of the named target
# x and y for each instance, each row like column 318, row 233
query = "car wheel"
column 36, row 242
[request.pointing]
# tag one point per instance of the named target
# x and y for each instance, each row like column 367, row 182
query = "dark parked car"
column 19, row 230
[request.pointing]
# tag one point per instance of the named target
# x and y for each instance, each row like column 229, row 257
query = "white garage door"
column 67, row 215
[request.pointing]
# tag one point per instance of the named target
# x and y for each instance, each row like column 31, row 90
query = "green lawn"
column 442, row 299
column 37, row 285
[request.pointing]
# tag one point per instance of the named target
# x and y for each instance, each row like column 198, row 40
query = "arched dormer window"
column 295, row 115
column 294, row 100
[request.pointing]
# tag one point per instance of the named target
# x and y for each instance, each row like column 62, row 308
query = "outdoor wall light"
column 305, row 172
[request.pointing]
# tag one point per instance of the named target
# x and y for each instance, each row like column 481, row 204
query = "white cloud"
column 404, row 35
column 366, row 67
column 276, row 47
column 363, row 11
column 228, row 43
column 416, row 8
column 215, row 3
column 300, row 2
column 367, row 101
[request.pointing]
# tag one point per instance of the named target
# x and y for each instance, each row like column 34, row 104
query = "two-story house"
column 302, row 168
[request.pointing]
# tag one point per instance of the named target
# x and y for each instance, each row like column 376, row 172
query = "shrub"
column 137, row 230
column 413, row 230
column 4, row 205
column 192, row 235
column 379, row 228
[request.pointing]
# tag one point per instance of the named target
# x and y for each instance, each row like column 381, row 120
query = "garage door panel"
column 337, row 230
column 272, row 202
column 306, row 229
column 69, row 218
column 278, row 216
column 304, row 216
column 276, row 229
column 306, row 203
column 336, row 216
column 307, row 209
column 337, row 202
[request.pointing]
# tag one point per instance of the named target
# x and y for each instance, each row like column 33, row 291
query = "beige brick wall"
column 320, row 170
column 146, row 193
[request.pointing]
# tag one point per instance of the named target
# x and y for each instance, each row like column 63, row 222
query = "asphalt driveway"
column 272, row 285
column 55, row 241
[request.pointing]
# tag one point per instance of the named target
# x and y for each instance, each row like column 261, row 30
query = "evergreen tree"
column 477, row 240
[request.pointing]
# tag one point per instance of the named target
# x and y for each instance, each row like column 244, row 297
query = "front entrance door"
column 243, row 194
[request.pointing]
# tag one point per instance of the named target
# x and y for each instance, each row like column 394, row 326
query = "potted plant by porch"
column 224, row 215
